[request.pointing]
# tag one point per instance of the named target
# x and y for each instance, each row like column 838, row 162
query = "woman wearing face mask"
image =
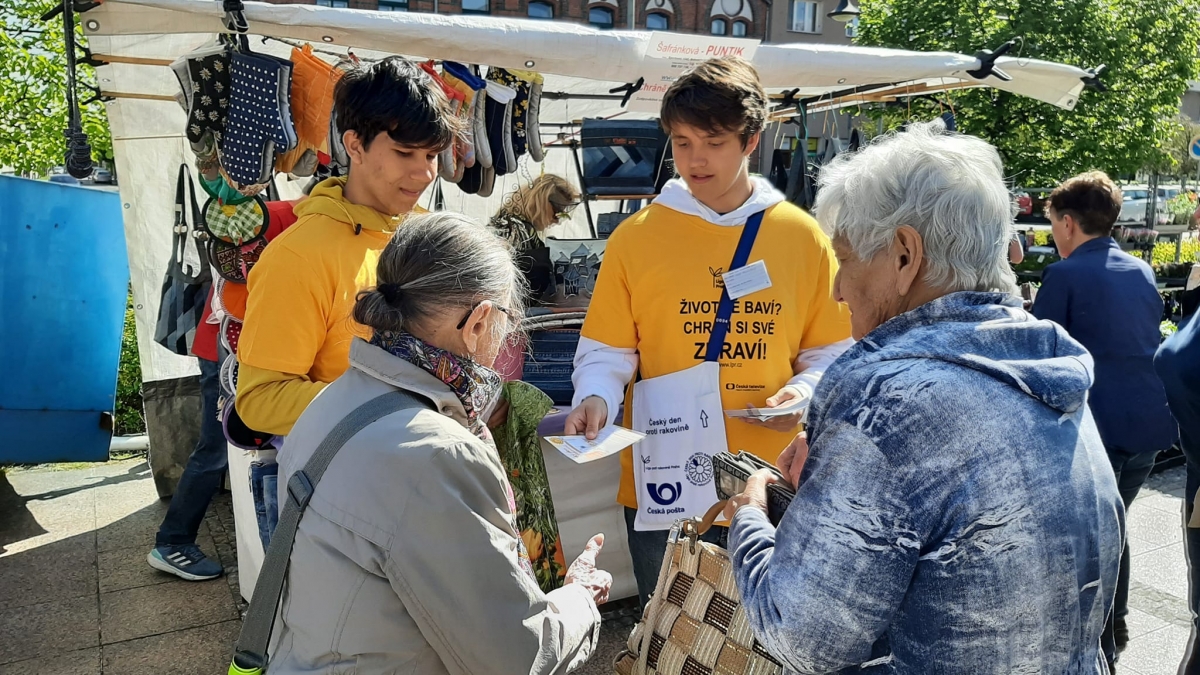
column 407, row 558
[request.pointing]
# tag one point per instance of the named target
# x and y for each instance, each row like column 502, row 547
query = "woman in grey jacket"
column 408, row 558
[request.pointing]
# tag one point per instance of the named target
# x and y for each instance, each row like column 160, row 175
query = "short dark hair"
column 719, row 96
column 1092, row 199
column 395, row 96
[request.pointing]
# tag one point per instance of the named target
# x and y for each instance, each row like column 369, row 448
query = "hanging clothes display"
column 260, row 122
column 313, row 83
column 451, row 161
column 463, row 80
column 500, row 99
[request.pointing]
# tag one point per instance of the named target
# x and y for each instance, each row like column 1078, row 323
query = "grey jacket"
column 406, row 558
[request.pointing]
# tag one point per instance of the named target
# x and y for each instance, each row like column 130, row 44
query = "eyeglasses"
column 511, row 314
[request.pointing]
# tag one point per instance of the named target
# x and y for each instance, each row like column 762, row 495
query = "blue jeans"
column 205, row 470
column 649, row 549
column 1131, row 471
column 264, row 488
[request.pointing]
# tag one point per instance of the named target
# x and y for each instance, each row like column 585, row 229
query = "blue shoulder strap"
column 716, row 340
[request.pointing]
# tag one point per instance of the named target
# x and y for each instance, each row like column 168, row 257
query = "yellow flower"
column 533, row 543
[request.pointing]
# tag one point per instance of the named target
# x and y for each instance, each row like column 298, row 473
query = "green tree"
column 33, row 85
column 1149, row 46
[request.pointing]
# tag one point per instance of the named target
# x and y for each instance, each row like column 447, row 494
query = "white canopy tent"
column 137, row 39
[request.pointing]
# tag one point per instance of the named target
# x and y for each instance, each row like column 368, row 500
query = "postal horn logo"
column 664, row 494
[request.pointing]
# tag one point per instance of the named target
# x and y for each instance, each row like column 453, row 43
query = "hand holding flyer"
column 611, row 439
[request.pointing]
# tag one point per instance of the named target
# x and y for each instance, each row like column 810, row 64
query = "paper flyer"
column 791, row 407
column 610, row 440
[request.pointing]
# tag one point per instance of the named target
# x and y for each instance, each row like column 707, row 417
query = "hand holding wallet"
column 733, row 470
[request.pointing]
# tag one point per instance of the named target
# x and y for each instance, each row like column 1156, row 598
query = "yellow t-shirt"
column 301, row 300
column 658, row 291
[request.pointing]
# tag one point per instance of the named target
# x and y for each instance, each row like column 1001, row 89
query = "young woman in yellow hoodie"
column 296, row 339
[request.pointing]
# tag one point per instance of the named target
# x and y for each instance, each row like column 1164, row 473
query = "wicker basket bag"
column 694, row 623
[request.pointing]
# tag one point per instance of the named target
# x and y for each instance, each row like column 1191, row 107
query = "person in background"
column 523, row 219
column 1178, row 365
column 175, row 550
column 296, row 339
column 408, row 558
column 1108, row 300
column 956, row 512
column 657, row 302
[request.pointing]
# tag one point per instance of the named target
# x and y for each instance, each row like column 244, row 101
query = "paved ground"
column 77, row 597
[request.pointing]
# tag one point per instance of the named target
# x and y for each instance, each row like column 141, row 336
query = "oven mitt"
column 313, row 83
column 483, row 146
column 519, row 108
column 210, row 99
column 533, row 129
column 471, row 179
column 180, row 67
column 255, row 126
column 462, row 79
column 499, row 125
column 337, row 150
column 487, row 182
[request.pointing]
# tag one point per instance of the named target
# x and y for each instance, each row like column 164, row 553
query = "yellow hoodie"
column 299, row 324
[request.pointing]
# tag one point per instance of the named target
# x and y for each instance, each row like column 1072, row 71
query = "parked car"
column 103, row 176
column 64, row 178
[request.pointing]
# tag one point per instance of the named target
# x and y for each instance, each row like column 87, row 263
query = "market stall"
column 581, row 74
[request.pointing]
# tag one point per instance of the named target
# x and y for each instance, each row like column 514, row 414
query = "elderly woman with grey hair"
column 408, row 558
column 955, row 512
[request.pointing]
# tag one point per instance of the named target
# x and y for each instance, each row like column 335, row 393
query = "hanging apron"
column 684, row 423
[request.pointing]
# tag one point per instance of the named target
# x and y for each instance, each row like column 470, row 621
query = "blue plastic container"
column 64, row 277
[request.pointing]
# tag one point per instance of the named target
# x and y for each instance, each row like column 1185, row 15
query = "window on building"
column 720, row 27
column 541, row 10
column 852, row 28
column 600, row 17
column 740, row 28
column 806, row 17
column 657, row 21
column 476, row 7
column 393, row 5
column 334, row 3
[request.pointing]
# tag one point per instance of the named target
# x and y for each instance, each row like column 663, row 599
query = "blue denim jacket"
column 957, row 513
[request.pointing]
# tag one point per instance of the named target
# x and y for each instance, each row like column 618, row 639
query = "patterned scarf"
column 475, row 386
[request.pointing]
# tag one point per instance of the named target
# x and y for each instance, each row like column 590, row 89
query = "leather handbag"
column 186, row 284
column 694, row 622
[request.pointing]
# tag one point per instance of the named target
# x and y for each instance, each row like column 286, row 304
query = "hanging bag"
column 185, row 287
column 693, row 622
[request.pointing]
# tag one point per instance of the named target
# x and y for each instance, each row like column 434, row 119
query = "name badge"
column 745, row 280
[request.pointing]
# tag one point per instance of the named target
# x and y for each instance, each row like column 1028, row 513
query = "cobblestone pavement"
column 77, row 597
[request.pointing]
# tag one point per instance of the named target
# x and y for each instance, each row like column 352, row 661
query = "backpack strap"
column 250, row 654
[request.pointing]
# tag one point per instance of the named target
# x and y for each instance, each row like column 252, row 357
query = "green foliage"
column 1149, row 47
column 129, row 418
column 33, row 73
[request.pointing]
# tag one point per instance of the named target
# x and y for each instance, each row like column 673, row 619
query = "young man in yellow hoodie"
column 669, row 308
column 296, row 339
